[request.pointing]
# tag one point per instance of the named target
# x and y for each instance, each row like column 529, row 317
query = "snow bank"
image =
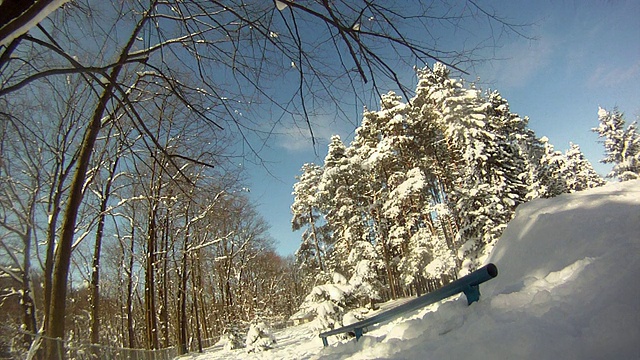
column 259, row 338
column 568, row 288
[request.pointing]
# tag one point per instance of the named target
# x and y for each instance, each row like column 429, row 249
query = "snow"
column 37, row 18
column 280, row 5
column 259, row 338
column 602, row 112
column 567, row 289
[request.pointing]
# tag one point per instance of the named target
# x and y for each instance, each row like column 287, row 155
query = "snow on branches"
column 622, row 146
column 425, row 188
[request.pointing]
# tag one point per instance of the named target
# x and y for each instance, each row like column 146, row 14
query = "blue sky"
column 585, row 54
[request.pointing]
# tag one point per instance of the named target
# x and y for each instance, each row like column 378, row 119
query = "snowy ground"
column 568, row 288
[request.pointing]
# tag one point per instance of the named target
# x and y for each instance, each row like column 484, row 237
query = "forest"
column 124, row 216
column 424, row 190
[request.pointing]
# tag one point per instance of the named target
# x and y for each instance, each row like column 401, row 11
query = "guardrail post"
column 358, row 332
column 472, row 293
column 469, row 285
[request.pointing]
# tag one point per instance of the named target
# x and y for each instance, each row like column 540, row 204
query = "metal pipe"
column 469, row 285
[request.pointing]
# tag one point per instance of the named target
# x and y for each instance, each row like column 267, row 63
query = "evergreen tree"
column 329, row 302
column 438, row 160
column 364, row 280
column 519, row 144
column 305, row 210
column 622, row 146
column 259, row 337
column 436, row 154
column 340, row 198
column 381, row 143
column 488, row 165
column 560, row 173
column 343, row 193
column 549, row 174
column 578, row 172
column 426, row 187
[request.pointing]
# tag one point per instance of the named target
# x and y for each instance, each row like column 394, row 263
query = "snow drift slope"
column 568, row 288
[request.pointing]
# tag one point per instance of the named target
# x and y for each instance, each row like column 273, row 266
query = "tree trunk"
column 196, row 314
column 57, row 312
column 182, row 292
column 182, row 301
column 28, row 305
column 130, row 333
column 203, row 305
column 315, row 239
column 386, row 256
column 164, row 289
column 149, row 279
column 95, row 269
column 54, row 213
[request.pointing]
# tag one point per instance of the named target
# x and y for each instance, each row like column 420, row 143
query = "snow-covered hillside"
column 568, row 288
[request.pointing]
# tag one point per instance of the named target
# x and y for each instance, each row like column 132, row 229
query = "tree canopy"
column 127, row 117
column 427, row 186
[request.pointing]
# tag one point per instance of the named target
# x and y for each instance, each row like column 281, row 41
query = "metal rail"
column 469, row 285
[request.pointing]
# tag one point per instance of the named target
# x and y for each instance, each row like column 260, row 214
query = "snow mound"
column 259, row 338
column 567, row 288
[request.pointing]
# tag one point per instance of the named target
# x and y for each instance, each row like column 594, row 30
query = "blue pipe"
column 469, row 285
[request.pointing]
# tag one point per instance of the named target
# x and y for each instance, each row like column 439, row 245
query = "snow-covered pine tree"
column 496, row 178
column 437, row 160
column 549, row 174
column 306, row 214
column 559, row 173
column 340, row 196
column 426, row 129
column 329, row 302
column 231, row 338
column 487, row 166
column 519, row 145
column 431, row 183
column 382, row 142
column 259, row 337
column 622, row 146
column 410, row 211
column 478, row 187
column 428, row 260
column 365, row 282
column 578, row 171
column 524, row 147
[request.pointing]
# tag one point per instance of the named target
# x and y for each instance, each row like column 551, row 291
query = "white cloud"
column 297, row 137
column 611, row 76
column 294, row 139
column 519, row 62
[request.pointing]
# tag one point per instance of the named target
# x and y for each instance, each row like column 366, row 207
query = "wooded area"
column 124, row 217
column 422, row 193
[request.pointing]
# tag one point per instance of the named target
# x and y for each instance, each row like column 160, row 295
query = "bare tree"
column 104, row 197
column 39, row 152
column 224, row 62
column 21, row 184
